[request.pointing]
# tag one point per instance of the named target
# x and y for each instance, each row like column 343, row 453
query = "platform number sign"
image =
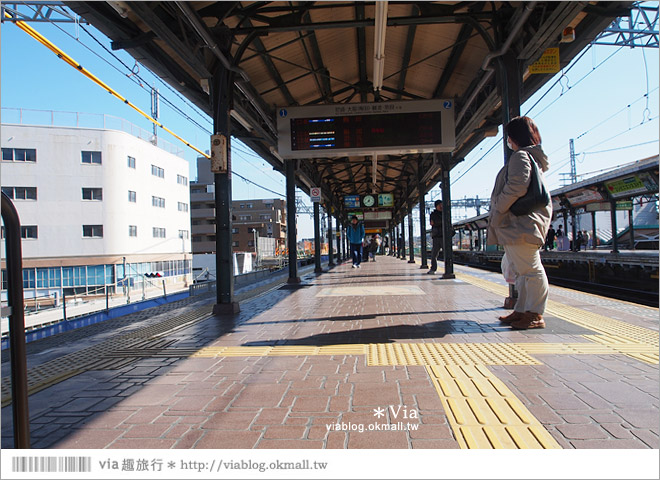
column 315, row 194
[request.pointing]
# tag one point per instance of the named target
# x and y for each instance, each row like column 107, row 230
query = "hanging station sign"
column 395, row 128
column 637, row 184
column 352, row 201
column 584, row 196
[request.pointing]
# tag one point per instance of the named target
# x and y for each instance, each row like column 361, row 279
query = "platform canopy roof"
column 313, row 53
column 633, row 180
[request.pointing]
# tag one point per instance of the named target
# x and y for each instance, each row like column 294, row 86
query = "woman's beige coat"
column 512, row 182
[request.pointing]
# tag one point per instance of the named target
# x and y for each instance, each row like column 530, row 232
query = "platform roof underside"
column 310, row 53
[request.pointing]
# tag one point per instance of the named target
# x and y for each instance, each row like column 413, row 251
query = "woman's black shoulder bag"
column 537, row 195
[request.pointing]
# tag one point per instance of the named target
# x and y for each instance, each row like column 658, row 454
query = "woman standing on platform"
column 522, row 236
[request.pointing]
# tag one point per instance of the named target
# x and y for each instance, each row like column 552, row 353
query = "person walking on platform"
column 550, row 239
column 355, row 234
column 522, row 235
column 374, row 243
column 436, row 235
column 578, row 241
column 586, row 237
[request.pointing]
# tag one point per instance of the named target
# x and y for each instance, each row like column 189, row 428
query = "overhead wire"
column 133, row 73
column 573, row 63
column 73, row 63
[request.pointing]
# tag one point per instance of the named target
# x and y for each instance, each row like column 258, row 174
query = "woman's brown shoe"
column 528, row 320
column 512, row 317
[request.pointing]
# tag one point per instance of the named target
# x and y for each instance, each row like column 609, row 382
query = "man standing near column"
column 436, row 235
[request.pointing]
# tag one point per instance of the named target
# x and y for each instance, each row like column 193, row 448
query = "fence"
column 26, row 116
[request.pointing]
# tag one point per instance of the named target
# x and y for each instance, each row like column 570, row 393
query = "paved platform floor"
column 384, row 356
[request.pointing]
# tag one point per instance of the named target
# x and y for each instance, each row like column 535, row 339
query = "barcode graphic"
column 51, row 464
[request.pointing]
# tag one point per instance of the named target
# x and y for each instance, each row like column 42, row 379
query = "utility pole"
column 155, row 104
column 572, row 176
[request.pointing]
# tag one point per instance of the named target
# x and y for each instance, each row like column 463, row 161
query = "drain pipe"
column 204, row 33
column 486, row 68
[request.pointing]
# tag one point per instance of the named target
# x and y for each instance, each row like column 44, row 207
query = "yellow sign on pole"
column 548, row 63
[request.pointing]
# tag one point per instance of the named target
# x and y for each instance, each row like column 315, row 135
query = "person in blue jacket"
column 355, row 234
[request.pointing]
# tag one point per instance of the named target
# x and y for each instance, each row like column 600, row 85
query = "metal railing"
column 19, row 387
column 54, row 118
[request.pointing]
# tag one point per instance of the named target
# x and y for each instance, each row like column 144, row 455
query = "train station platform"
column 381, row 357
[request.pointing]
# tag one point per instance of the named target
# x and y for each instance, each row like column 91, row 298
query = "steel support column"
column 574, row 229
column 447, row 226
column 631, row 228
column 411, row 237
column 338, row 239
column 317, row 238
column 396, row 243
column 422, row 218
column 403, row 239
column 615, row 239
column 510, row 80
column 593, row 231
column 292, row 230
column 331, row 261
column 224, row 257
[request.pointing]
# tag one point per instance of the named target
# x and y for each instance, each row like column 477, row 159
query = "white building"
column 98, row 208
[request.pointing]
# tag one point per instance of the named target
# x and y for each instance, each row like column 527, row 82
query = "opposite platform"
column 384, row 356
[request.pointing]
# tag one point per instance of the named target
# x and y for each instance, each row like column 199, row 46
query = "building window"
column 181, row 180
column 158, row 202
column 5, row 280
column 92, row 194
column 248, row 205
column 19, row 155
column 93, row 158
column 132, row 230
column 234, row 230
column 265, row 217
column 184, row 234
column 21, row 193
column 250, row 243
column 42, row 278
column 28, row 278
column 183, row 207
column 131, row 162
column 242, row 205
column 132, row 196
column 159, row 232
column 234, row 244
column 93, row 231
column 30, row 232
column 245, row 217
column 157, row 171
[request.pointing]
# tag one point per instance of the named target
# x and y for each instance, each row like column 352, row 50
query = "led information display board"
column 365, row 128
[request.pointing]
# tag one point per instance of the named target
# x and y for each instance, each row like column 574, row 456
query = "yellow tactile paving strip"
column 620, row 336
column 384, row 354
column 484, row 413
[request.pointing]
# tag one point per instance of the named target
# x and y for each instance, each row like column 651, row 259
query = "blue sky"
column 600, row 101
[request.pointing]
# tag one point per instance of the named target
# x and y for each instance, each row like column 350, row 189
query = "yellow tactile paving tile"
column 447, row 354
column 280, row 350
column 615, row 333
column 483, row 412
